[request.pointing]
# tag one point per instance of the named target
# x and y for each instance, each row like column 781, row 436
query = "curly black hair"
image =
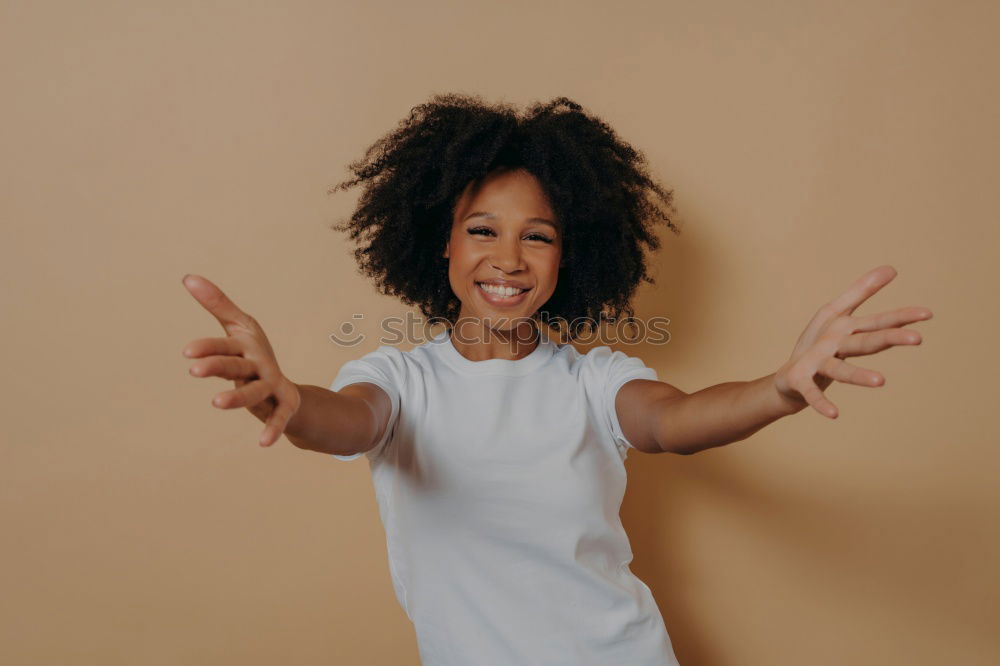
column 597, row 186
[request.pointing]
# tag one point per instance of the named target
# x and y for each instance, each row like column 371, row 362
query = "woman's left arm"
column 657, row 417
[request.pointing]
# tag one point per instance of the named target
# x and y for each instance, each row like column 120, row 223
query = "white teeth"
column 500, row 291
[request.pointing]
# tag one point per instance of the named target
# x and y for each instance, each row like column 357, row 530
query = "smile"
column 502, row 295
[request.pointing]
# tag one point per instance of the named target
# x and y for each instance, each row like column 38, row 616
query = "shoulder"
column 384, row 354
column 605, row 365
column 390, row 363
column 385, row 366
column 384, row 357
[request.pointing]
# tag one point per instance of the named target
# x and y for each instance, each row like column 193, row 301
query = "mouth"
column 502, row 296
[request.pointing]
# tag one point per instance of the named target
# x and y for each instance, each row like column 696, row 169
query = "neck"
column 476, row 341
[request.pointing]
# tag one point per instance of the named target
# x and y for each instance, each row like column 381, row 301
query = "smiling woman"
column 498, row 464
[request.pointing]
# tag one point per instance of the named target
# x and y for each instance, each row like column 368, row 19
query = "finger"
column 892, row 318
column 244, row 396
column 842, row 371
column 227, row 367
column 816, row 399
column 216, row 302
column 276, row 424
column 214, row 346
column 288, row 402
column 862, row 344
column 862, row 289
column 848, row 301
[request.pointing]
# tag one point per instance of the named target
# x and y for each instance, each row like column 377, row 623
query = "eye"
column 477, row 230
column 544, row 239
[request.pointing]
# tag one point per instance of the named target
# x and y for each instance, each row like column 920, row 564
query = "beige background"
column 806, row 143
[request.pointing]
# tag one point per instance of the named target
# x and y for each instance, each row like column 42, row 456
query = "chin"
column 500, row 320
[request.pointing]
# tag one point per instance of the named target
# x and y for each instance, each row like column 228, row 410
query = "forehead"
column 507, row 194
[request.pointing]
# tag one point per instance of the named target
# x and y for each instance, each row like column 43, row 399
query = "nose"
column 507, row 256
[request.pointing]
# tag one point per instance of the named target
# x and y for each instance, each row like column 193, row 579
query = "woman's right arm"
column 343, row 422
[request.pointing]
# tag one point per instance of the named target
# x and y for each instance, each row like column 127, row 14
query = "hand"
column 246, row 357
column 833, row 335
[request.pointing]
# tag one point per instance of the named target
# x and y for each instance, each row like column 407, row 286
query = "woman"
column 497, row 453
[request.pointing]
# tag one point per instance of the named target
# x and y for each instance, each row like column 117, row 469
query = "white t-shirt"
column 499, row 485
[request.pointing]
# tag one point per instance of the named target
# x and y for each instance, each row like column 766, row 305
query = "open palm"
column 834, row 334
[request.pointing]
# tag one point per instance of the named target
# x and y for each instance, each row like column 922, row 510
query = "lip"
column 506, row 283
column 502, row 301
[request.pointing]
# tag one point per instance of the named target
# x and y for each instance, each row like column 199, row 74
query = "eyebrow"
column 491, row 216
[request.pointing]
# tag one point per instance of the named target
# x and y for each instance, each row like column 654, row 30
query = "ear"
column 446, row 249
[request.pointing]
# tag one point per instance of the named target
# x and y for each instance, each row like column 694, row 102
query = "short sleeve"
column 382, row 367
column 619, row 368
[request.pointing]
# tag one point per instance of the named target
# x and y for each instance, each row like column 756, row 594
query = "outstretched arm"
column 657, row 417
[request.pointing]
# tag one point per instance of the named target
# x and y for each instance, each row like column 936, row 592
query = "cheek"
column 553, row 265
column 462, row 252
column 461, row 263
column 549, row 275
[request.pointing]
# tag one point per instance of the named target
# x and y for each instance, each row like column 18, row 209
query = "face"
column 503, row 231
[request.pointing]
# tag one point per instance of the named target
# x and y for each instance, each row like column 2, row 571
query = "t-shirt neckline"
column 494, row 366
